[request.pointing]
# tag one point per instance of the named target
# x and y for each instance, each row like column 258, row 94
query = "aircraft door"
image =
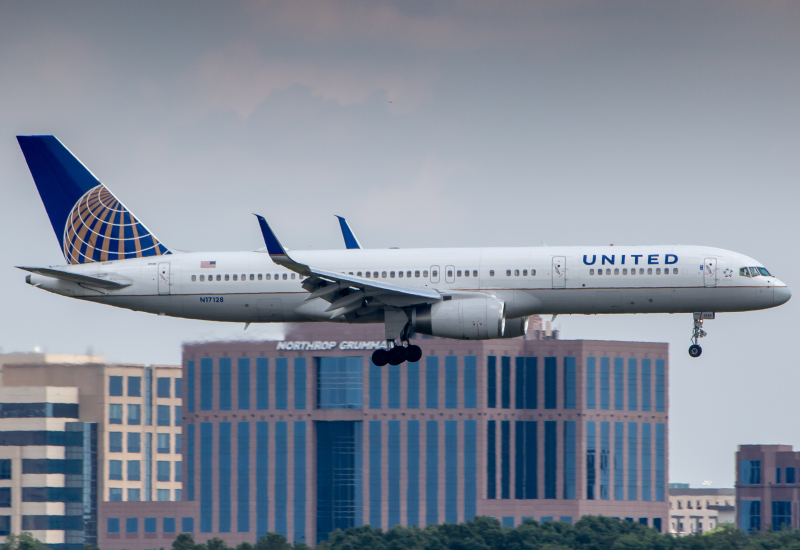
column 434, row 273
column 559, row 272
column 450, row 274
column 710, row 272
column 163, row 278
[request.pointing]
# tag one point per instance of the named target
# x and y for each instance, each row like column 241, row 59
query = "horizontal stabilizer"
column 77, row 277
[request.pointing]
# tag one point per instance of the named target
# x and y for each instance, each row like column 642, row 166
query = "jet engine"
column 465, row 319
column 516, row 327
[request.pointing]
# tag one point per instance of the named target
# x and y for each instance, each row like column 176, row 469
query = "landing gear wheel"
column 413, row 353
column 695, row 350
column 397, row 355
column 380, row 357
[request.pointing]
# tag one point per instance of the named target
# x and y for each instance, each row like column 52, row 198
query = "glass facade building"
column 305, row 436
column 767, row 487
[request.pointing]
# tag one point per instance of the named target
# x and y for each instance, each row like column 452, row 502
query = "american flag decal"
column 208, row 264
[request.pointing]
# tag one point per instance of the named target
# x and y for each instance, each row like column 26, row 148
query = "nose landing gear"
column 697, row 332
column 396, row 354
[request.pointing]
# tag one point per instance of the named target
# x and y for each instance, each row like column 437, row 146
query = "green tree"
column 273, row 541
column 23, row 541
column 217, row 544
column 184, row 541
column 245, row 546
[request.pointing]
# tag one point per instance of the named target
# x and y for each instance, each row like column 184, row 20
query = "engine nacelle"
column 467, row 319
column 516, row 327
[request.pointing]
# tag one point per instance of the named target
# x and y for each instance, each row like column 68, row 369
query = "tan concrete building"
column 700, row 510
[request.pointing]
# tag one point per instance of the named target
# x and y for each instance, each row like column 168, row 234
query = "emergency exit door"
column 710, row 272
column 559, row 272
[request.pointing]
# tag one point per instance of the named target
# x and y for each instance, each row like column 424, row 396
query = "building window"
column 5, row 497
column 112, row 525
column 569, row 459
column 451, row 383
column 340, row 383
column 633, row 389
column 134, row 470
column 134, row 386
column 505, row 382
column 591, row 389
column 115, row 413
column 470, row 383
column 163, row 415
column 114, row 442
column 375, row 386
column 591, row 454
column 790, row 475
column 569, row 383
column 178, row 388
column 163, row 443
column 134, row 495
column 149, row 525
column 178, row 415
column 750, row 518
column 178, row 444
column 115, row 386
column 178, row 474
column 281, row 383
column 605, row 383
column 178, row 492
column 432, row 382
column 491, row 382
column 115, row 469
column 163, row 387
column 206, row 383
column 550, row 383
column 5, row 468
column 300, row 383
column 619, row 384
column 131, row 525
column 550, row 462
column 134, row 415
column 163, row 467
column 134, row 442
column 115, row 494
column 243, row 383
column 169, row 525
column 225, row 368
column 750, row 472
column 187, row 525
column 491, row 459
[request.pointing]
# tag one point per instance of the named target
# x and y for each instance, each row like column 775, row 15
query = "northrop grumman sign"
column 329, row 345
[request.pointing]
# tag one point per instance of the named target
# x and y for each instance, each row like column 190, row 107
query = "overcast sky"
column 428, row 124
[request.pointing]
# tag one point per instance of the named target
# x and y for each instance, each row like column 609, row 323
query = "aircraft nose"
column 781, row 295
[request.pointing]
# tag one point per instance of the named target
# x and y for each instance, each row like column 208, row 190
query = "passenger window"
column 616, row 271
column 649, row 270
column 391, row 274
column 508, row 273
column 491, row 273
column 235, row 277
column 449, row 273
column 416, row 274
column 516, row 273
column 624, row 270
column 276, row 276
column 259, row 276
column 294, row 275
column 244, row 276
column 466, row 273
column 400, row 274
column 435, row 273
column 408, row 274
column 474, row 272
column 284, row 276
column 383, row 274
column 591, row 272
column 533, row 273
column 458, row 273
column 194, row 278
column 608, row 271
column 359, row 274
column 252, row 277
column 374, row 274
column 599, row 271
column 641, row 271
column 351, row 272
column 268, row 276
column 227, row 277
column 369, row 274
column 219, row 277
column 524, row 272
column 425, row 273
column 658, row 271
column 202, row 278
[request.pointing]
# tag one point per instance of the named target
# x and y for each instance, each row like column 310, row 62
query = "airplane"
column 460, row 293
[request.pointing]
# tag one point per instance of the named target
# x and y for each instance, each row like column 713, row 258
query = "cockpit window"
column 764, row 272
column 744, row 272
column 754, row 272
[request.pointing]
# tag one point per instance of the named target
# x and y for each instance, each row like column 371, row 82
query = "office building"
column 767, row 487
column 305, row 435
column 699, row 510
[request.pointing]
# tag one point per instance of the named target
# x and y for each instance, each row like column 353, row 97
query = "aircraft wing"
column 76, row 277
column 345, row 293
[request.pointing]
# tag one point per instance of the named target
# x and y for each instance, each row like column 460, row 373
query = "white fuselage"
column 247, row 287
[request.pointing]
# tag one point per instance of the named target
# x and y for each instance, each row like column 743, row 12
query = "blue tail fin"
column 89, row 221
column 350, row 240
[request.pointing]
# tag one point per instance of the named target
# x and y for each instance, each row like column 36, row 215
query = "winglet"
column 277, row 252
column 350, row 240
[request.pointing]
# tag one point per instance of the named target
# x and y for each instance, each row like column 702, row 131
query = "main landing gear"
column 396, row 354
column 698, row 332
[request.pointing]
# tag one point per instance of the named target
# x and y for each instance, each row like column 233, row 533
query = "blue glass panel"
column 243, row 383
column 190, row 462
column 281, row 476
column 569, row 459
column 340, row 383
column 299, row 383
column 224, row 383
column 633, row 461
column 375, row 386
column 224, row 464
column 491, row 460
column 508, row 522
column 619, row 384
column 570, row 383
column 619, row 461
column 262, row 479
column 432, row 472
column 206, row 384
column 243, row 476
column 262, row 383
column 661, row 384
column 412, row 491
column 394, row 473
column 750, row 515
column 550, row 453
column 375, row 461
column 591, row 383
column 550, row 383
column 505, row 459
column 339, row 499
column 115, row 384
column 451, row 471
column 299, row 479
column 531, row 382
column 646, row 384
column 168, row 525
column 519, row 459
column 412, row 389
column 281, row 383
column 470, row 469
column 646, row 462
column 519, row 383
column 633, row 385
column 190, row 385
column 394, row 386
column 591, row 460
column 505, row 382
column 432, row 382
column 605, row 460
column 470, row 381
column 660, row 462
column 187, row 525
column 531, row 459
column 605, row 383
column 491, row 382
column 451, row 382
column 206, row 476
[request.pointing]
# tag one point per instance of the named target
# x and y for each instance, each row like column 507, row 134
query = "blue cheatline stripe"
column 432, row 472
column 375, row 442
column 394, row 473
column 262, row 479
column 224, row 463
column 300, row 481
column 451, row 472
column 243, row 477
column 470, row 469
column 412, row 491
column 206, row 476
column 281, row 477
